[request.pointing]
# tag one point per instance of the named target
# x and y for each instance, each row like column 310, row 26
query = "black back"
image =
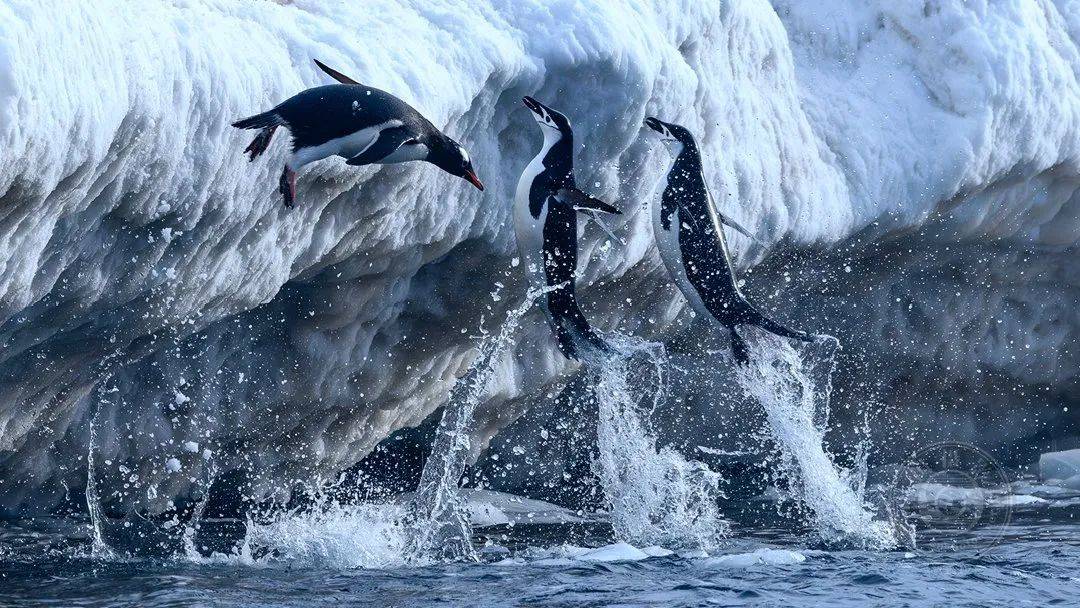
column 317, row 115
column 701, row 237
column 560, row 249
column 560, row 226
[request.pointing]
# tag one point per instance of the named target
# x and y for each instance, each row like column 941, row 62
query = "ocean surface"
column 1033, row 560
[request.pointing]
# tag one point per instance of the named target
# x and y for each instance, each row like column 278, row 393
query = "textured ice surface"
column 1060, row 465
column 145, row 265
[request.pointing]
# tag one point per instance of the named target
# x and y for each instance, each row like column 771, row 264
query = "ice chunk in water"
column 1059, row 465
column 763, row 556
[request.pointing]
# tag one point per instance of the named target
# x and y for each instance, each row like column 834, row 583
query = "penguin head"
column 450, row 156
column 547, row 118
column 672, row 134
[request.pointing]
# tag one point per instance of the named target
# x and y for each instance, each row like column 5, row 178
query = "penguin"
column 359, row 123
column 690, row 236
column 545, row 221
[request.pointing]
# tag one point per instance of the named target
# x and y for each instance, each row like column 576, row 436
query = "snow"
column 136, row 229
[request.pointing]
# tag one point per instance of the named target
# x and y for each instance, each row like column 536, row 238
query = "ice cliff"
column 925, row 154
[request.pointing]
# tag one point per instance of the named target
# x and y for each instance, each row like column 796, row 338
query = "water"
column 667, row 538
column 655, row 495
column 1032, row 560
column 794, row 388
column 441, row 524
column 98, row 548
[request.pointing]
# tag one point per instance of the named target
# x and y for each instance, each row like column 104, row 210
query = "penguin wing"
column 336, row 75
column 583, row 202
column 384, row 145
column 730, row 222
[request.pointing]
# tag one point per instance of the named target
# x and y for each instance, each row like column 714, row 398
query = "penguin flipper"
column 727, row 221
column 336, row 75
column 384, row 145
column 581, row 201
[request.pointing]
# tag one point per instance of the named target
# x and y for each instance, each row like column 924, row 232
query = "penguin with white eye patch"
column 545, row 222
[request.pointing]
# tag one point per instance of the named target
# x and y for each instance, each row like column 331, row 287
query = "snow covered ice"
column 145, row 259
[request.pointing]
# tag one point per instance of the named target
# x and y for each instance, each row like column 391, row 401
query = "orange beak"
column 472, row 179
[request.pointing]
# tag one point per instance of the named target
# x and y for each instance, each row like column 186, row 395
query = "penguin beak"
column 470, row 176
column 532, row 104
column 654, row 124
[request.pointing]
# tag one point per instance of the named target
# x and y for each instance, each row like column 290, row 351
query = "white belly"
column 406, row 153
column 347, row 146
column 667, row 242
column 529, row 230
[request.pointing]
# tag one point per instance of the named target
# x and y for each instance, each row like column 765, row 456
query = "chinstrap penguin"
column 359, row 123
column 690, row 237
column 545, row 222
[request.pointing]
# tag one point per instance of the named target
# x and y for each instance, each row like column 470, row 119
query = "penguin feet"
column 287, row 186
column 260, row 143
column 739, row 349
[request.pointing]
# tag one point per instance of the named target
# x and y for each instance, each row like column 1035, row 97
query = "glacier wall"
column 151, row 280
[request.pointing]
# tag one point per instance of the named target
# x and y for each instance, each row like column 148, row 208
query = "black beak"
column 654, row 124
column 532, row 104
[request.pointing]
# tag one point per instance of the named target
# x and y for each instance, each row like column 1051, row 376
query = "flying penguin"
column 545, row 222
column 690, row 236
column 359, row 123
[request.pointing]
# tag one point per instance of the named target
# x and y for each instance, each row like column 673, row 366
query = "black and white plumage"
column 545, row 222
column 359, row 123
column 690, row 236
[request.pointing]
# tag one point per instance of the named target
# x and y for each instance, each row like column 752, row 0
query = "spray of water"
column 656, row 496
column 441, row 521
column 795, row 395
column 366, row 535
column 99, row 549
column 195, row 522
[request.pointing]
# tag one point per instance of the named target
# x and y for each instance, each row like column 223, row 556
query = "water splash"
column 656, row 496
column 99, row 549
column 365, row 535
column 794, row 391
column 442, row 523
column 195, row 522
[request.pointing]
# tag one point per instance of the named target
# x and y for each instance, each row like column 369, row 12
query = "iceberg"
column 150, row 279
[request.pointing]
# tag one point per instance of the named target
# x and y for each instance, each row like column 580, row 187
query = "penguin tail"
column 260, row 121
column 753, row 317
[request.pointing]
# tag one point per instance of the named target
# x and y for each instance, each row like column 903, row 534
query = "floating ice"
column 758, row 557
column 1060, row 465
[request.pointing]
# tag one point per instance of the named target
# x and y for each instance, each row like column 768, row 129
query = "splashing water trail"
column 99, row 548
column 433, row 527
column 366, row 535
column 442, row 522
column 795, row 393
column 656, row 496
column 194, row 523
